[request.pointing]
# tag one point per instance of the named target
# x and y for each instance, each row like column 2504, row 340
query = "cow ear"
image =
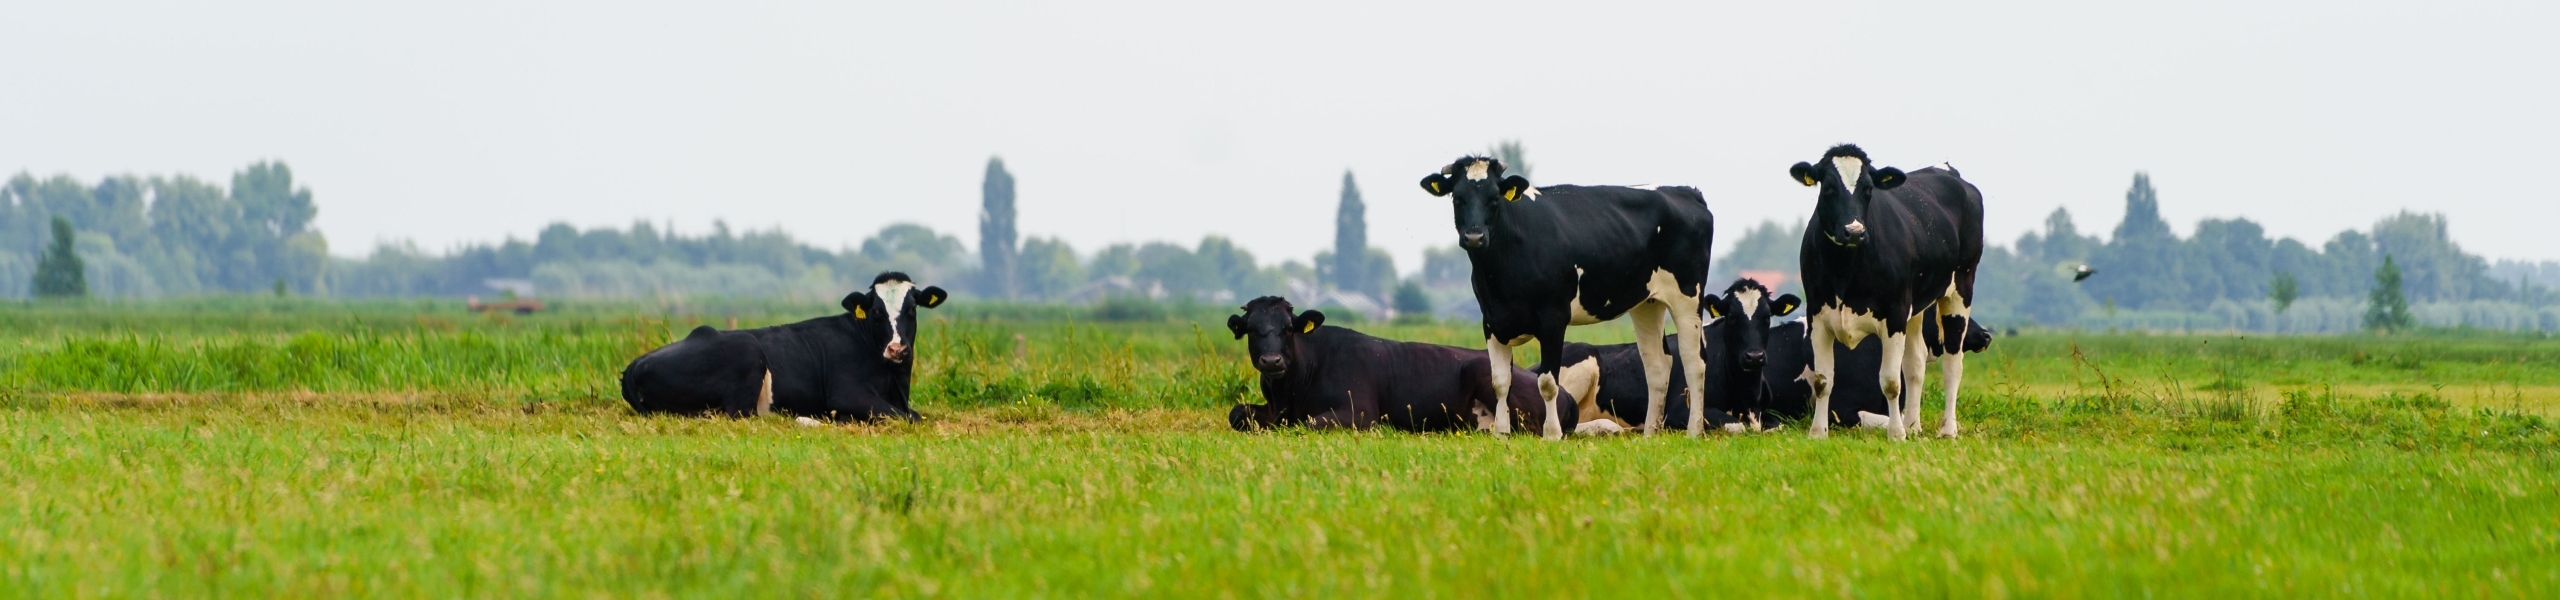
column 1803, row 173
column 1437, row 184
column 1235, row 323
column 1888, row 178
column 1309, row 321
column 932, row 297
column 854, row 302
column 1512, row 187
column 1714, row 306
column 1787, row 304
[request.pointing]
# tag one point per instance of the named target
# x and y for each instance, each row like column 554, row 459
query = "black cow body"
column 1736, row 346
column 1330, row 377
column 1857, row 400
column 1883, row 247
column 1553, row 257
column 851, row 366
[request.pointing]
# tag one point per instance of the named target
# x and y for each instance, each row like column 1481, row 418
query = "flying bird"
column 2081, row 272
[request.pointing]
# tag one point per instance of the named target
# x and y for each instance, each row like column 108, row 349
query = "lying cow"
column 853, row 366
column 1610, row 380
column 1859, row 399
column 1331, row 377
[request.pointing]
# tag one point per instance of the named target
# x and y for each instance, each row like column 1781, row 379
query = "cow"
column 851, row 366
column 1858, row 401
column 1737, row 345
column 1548, row 258
column 1882, row 247
column 1325, row 377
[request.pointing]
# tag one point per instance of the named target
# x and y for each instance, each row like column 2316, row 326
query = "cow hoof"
column 808, row 422
column 1947, row 431
column 1817, row 432
column 1896, row 432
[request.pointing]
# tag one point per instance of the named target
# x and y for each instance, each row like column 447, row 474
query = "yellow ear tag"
column 1511, row 195
column 857, row 313
column 1712, row 312
column 1808, row 181
column 1311, row 328
column 1435, row 187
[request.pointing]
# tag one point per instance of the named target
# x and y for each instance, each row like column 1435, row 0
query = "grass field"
column 300, row 448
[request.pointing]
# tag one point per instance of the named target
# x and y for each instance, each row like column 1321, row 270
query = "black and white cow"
column 1553, row 257
column 1882, row 247
column 851, row 366
column 1331, row 377
column 1857, row 401
column 1609, row 380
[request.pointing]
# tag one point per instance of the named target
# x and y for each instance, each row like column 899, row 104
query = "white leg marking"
column 764, row 395
column 1820, row 330
column 1889, row 378
column 1686, row 327
column 808, row 422
column 1500, row 355
column 1647, row 319
column 1554, row 429
column 1953, row 303
column 1868, row 419
column 1915, row 372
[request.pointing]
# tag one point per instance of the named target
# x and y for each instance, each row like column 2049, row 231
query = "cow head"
column 1477, row 190
column 1847, row 181
column 888, row 310
column 1741, row 321
column 1274, row 329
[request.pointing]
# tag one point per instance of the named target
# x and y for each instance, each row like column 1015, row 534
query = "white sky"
column 461, row 121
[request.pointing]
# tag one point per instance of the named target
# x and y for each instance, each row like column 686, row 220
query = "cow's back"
column 706, row 370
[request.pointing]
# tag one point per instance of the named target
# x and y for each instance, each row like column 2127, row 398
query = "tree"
column 2283, row 290
column 2389, row 309
column 1411, row 301
column 1515, row 159
column 59, row 273
column 2145, row 263
column 1351, row 241
column 996, row 235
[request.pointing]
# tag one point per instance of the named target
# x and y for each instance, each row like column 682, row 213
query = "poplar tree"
column 996, row 236
column 2389, row 309
column 1351, row 241
column 59, row 273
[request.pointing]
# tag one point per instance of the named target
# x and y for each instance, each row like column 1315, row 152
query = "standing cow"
column 1331, row 377
column 1882, row 248
column 852, row 366
column 1549, row 258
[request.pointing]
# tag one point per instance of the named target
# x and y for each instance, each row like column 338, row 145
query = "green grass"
column 361, row 450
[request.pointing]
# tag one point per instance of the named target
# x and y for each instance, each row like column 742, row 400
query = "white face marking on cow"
column 1856, row 227
column 1750, row 302
column 1849, row 167
column 1478, row 170
column 893, row 296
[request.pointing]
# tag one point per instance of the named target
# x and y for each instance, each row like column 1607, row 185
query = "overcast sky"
column 454, row 121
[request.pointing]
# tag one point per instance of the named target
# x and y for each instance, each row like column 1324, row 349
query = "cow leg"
column 1889, row 378
column 1647, row 318
column 1550, row 362
column 1499, row 354
column 1915, row 372
column 1685, row 322
column 1820, row 333
column 1960, row 321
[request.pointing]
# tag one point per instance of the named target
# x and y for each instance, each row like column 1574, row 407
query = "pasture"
column 299, row 448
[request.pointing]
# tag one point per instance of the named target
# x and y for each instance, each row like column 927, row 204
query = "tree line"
column 177, row 235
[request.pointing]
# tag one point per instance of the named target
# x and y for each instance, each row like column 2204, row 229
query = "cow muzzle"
column 1754, row 359
column 1270, row 363
column 896, row 353
column 1471, row 239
